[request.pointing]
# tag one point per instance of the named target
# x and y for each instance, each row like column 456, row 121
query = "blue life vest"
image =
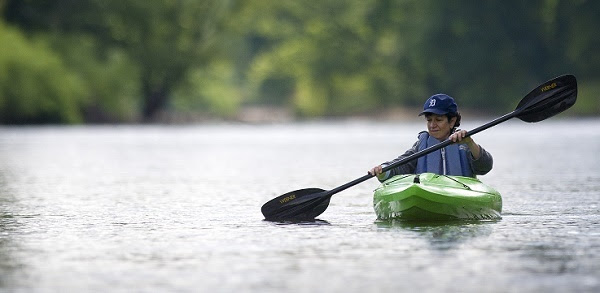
column 456, row 155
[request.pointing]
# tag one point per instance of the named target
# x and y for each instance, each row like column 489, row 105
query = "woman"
column 463, row 158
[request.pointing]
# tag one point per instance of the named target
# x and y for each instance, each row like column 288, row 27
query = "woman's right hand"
column 376, row 170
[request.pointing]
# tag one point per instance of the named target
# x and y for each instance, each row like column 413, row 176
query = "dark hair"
column 450, row 116
column 457, row 123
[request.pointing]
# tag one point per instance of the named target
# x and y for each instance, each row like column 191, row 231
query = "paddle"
column 547, row 100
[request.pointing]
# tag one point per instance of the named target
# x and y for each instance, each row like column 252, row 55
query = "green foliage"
column 111, row 42
column 110, row 77
column 113, row 61
column 324, row 49
column 35, row 86
column 165, row 39
column 209, row 90
column 350, row 56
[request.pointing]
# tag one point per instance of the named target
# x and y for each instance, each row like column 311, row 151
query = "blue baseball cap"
column 439, row 104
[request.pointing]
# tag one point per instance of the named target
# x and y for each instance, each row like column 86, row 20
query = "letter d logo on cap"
column 432, row 103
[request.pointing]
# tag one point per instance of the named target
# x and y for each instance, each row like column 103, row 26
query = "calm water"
column 177, row 208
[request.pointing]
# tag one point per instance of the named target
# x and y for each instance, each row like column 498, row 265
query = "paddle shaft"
column 424, row 152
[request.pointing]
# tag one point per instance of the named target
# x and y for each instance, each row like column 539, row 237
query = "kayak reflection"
column 441, row 235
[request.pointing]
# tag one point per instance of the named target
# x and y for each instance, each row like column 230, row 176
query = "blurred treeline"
column 74, row 61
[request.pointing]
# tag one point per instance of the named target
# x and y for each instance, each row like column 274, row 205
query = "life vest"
column 451, row 160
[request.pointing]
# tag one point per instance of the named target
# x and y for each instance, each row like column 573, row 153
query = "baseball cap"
column 439, row 104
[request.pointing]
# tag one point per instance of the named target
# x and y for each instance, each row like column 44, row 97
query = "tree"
column 35, row 84
column 163, row 39
column 317, row 56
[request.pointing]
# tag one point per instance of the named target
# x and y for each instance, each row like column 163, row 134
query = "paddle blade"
column 298, row 205
column 549, row 99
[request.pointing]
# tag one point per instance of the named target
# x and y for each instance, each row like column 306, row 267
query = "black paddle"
column 547, row 100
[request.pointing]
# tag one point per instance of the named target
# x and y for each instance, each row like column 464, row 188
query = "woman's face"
column 439, row 126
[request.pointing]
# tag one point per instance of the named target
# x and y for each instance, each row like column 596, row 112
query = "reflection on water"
column 442, row 235
column 315, row 222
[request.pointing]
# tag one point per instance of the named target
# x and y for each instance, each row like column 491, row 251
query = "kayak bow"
column 432, row 197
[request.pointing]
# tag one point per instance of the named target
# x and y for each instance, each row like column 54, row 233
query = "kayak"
column 432, row 197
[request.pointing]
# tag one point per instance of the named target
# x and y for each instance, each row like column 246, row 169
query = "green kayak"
column 432, row 197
